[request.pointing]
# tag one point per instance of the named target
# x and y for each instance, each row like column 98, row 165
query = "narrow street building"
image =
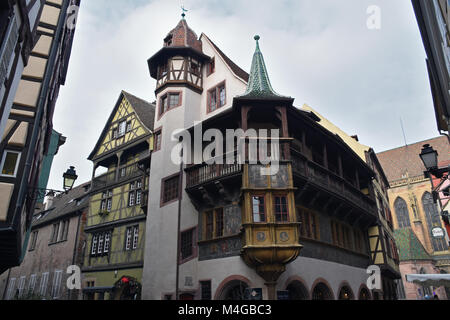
column 56, row 243
column 411, row 202
column 18, row 23
column 28, row 130
column 114, row 252
column 230, row 230
column 384, row 251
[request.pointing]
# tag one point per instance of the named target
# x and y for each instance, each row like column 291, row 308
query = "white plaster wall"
column 159, row 274
column 234, row 85
column 334, row 273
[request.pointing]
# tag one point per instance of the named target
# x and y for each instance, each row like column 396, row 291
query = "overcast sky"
column 318, row 51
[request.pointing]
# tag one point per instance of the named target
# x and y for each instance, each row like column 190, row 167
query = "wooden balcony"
column 204, row 173
column 326, row 180
column 116, row 176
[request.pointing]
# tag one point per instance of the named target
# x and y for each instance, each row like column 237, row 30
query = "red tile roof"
column 397, row 162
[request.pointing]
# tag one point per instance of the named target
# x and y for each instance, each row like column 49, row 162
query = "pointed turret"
column 259, row 86
column 180, row 61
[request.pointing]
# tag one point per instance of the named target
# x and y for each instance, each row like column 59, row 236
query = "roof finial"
column 183, row 15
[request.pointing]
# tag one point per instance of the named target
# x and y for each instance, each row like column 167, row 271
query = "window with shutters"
column 43, row 284
column 56, row 288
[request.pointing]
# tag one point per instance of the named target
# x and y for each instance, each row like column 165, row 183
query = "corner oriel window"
column 259, row 209
column 281, row 209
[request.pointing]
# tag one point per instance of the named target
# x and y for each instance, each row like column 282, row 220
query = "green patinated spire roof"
column 259, row 83
column 409, row 247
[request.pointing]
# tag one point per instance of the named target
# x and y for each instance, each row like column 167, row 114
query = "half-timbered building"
column 383, row 250
column 228, row 230
column 28, row 127
column 115, row 227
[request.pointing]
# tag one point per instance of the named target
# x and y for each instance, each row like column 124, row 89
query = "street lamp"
column 69, row 178
column 429, row 158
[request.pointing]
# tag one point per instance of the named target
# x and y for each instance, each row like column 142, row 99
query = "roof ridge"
column 412, row 144
column 136, row 97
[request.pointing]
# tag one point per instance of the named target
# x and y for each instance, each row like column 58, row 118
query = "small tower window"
column 195, row 68
column 169, row 101
column 162, row 71
column 211, row 67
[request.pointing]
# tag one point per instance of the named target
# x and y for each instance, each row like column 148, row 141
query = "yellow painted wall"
column 125, row 112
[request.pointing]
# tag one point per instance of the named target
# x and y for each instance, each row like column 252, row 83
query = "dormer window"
column 168, row 40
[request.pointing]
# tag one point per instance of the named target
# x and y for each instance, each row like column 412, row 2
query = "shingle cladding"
column 259, row 85
column 409, row 247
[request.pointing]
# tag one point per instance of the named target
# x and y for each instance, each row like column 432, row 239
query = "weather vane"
column 184, row 11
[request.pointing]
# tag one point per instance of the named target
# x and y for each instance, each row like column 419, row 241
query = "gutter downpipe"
column 180, row 194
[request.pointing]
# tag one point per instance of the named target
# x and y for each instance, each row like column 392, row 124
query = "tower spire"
column 259, row 85
column 183, row 14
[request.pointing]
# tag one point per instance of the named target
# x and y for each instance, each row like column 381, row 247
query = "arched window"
column 234, row 290
column 364, row 294
column 402, row 213
column 322, row 292
column 433, row 220
column 346, row 293
column 297, row 291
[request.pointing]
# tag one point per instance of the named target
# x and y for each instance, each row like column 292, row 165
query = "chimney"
column 355, row 137
column 49, row 200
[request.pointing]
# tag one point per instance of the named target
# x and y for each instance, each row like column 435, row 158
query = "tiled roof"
column 76, row 199
column 397, row 162
column 144, row 110
column 409, row 247
column 259, row 85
